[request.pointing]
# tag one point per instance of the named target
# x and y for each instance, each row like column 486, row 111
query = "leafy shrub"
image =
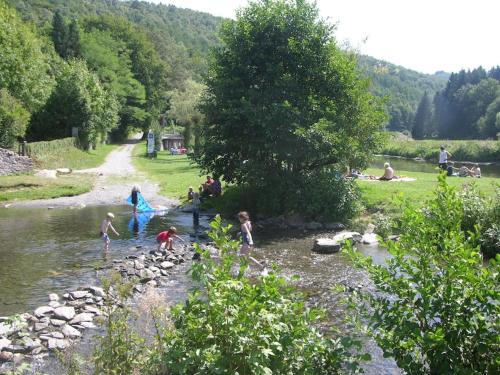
column 120, row 350
column 383, row 225
column 235, row 325
column 436, row 305
column 317, row 195
column 483, row 213
column 39, row 150
column 13, row 119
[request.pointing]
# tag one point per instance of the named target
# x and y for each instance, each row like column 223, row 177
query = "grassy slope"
column 75, row 158
column 174, row 173
column 30, row 187
column 382, row 195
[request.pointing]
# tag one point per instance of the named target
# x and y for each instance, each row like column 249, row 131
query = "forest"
column 137, row 64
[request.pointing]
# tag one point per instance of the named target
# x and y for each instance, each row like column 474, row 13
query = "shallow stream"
column 55, row 250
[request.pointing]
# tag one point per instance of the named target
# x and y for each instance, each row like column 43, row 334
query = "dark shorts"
column 443, row 166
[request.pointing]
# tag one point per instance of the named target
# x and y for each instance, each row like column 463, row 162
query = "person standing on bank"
column 443, row 158
column 134, row 196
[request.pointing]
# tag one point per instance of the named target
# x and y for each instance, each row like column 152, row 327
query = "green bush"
column 485, row 214
column 436, row 305
column 316, row 196
column 235, row 325
column 13, row 119
column 39, row 150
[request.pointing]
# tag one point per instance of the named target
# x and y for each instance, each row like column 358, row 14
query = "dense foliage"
column 436, row 303
column 234, row 325
column 422, row 123
column 283, row 101
column 13, row 119
column 469, row 106
column 78, row 101
column 402, row 88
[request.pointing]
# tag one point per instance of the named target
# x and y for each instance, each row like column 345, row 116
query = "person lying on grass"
column 167, row 238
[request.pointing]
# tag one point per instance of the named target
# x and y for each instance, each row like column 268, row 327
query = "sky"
column 423, row 35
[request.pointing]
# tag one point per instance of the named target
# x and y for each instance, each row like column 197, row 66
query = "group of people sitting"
column 463, row 171
column 210, row 188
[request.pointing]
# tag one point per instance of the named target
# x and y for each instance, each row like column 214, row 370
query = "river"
column 55, row 250
column 412, row 165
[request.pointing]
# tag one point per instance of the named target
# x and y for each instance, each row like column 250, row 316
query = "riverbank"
column 461, row 150
column 113, row 182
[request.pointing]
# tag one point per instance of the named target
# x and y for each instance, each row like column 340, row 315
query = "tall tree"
column 422, row 122
column 74, row 46
column 283, row 99
column 59, row 34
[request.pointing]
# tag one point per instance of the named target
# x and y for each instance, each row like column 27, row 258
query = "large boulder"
column 326, row 246
column 64, row 313
column 344, row 236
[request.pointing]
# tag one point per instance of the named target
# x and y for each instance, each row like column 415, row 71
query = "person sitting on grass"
column 464, row 171
column 451, row 170
column 476, row 171
column 388, row 173
column 216, row 187
column 167, row 238
column 207, row 187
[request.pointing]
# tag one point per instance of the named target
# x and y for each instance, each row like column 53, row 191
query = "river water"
column 412, row 165
column 56, row 250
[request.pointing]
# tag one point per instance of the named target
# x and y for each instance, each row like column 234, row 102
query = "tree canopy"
column 283, row 99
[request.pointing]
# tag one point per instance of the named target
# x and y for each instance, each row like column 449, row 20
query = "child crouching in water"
column 105, row 225
column 167, row 237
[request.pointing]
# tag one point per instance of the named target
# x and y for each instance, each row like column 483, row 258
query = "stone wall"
column 11, row 163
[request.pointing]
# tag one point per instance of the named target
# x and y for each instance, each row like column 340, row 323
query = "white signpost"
column 151, row 143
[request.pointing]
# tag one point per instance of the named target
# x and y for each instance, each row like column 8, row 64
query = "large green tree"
column 283, row 99
column 24, row 69
column 13, row 119
column 78, row 101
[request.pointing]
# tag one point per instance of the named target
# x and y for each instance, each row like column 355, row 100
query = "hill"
column 183, row 37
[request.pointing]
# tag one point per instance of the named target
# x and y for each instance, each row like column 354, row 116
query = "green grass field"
column 26, row 187
column 382, row 195
column 174, row 173
column 74, row 158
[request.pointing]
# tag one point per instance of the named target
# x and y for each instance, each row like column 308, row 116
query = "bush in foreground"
column 235, row 325
column 436, row 304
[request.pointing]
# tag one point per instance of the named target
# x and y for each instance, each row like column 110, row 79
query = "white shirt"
column 443, row 156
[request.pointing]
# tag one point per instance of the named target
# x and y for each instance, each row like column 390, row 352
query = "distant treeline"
column 467, row 108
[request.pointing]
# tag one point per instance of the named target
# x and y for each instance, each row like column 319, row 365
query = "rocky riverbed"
column 62, row 321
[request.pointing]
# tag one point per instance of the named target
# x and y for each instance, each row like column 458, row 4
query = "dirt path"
column 115, row 180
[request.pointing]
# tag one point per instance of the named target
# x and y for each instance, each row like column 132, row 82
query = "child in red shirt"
column 167, row 237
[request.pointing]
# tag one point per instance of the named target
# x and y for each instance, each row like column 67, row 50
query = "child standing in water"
column 196, row 209
column 134, row 196
column 105, row 225
column 246, row 237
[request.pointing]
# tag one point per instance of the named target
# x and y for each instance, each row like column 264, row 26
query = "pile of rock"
column 53, row 326
column 11, row 163
column 59, row 323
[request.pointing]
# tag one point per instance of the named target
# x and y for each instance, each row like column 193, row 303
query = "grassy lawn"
column 381, row 195
column 74, row 158
column 174, row 173
column 27, row 187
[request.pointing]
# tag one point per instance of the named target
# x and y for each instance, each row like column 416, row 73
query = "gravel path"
column 114, row 182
